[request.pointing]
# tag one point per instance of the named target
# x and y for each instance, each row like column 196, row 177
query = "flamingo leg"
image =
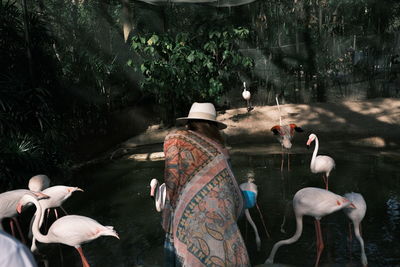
column 63, row 210
column 283, row 159
column 320, row 241
column 288, row 162
column 12, row 228
column 19, row 230
column 56, row 213
column 85, row 263
column 325, row 181
column 262, row 220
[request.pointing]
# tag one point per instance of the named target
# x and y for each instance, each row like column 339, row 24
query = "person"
column 204, row 200
column 14, row 253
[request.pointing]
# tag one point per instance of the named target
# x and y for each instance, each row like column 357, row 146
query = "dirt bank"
column 373, row 124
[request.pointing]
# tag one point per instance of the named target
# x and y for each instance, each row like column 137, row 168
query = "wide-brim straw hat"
column 202, row 111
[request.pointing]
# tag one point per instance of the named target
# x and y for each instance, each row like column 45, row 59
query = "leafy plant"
column 178, row 70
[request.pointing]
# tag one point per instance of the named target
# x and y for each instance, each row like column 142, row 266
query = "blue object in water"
column 250, row 198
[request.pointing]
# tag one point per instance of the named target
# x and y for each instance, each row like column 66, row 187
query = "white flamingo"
column 38, row 183
column 356, row 216
column 158, row 193
column 57, row 195
column 246, row 96
column 8, row 204
column 313, row 202
column 71, row 230
column 320, row 164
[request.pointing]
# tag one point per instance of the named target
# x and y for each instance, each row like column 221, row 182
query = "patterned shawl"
column 204, row 202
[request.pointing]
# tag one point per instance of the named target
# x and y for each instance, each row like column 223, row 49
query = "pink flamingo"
column 285, row 134
column 313, row 202
column 246, row 96
column 320, row 164
column 57, row 195
column 356, row 216
column 71, row 230
column 8, row 204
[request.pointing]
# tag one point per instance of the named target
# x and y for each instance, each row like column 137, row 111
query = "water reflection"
column 117, row 194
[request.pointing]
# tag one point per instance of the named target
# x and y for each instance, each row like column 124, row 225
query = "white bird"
column 57, row 195
column 246, row 96
column 8, row 204
column 38, row 183
column 356, row 216
column 71, row 230
column 14, row 253
column 158, row 193
column 320, row 164
column 313, row 202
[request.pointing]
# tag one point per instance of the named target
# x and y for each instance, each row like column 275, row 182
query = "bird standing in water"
column 313, row 202
column 320, row 164
column 356, row 215
column 285, row 134
column 71, row 230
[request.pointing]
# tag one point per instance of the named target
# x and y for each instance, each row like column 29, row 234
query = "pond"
column 117, row 194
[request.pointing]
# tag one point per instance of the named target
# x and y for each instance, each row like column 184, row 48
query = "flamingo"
column 14, row 253
column 38, row 183
column 58, row 194
column 285, row 133
column 158, row 193
column 313, row 202
column 71, row 230
column 8, row 203
column 250, row 192
column 246, row 96
column 356, row 216
column 320, row 164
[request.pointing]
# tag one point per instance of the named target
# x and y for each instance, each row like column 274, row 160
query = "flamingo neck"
column 364, row 260
column 35, row 226
column 314, row 155
column 294, row 238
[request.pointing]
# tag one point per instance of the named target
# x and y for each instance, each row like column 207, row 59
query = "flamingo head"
column 28, row 198
column 311, row 138
column 347, row 203
column 153, row 186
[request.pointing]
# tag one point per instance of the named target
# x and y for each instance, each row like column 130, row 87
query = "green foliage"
column 184, row 68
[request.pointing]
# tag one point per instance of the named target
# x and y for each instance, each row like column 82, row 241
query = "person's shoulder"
column 176, row 133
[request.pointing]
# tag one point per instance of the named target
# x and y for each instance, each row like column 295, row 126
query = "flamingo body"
column 38, row 183
column 158, row 193
column 356, row 216
column 321, row 163
column 313, row 202
column 285, row 133
column 246, row 94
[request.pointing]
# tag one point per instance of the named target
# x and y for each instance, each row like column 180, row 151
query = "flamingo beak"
column 308, row 143
column 19, row 207
column 152, row 192
column 353, row 206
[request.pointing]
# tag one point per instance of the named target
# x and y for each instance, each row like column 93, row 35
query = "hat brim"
column 184, row 120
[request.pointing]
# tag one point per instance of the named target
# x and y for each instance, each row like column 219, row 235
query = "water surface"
column 117, row 193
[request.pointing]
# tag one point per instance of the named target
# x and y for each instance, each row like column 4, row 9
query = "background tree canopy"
column 67, row 67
